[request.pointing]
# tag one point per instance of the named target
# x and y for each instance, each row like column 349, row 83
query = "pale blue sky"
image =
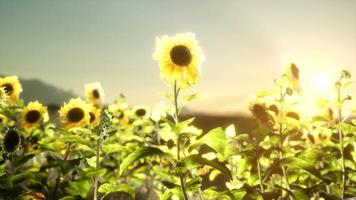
column 70, row 42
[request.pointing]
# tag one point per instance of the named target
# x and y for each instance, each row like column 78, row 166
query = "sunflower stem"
column 176, row 119
column 281, row 156
column 60, row 172
column 341, row 140
column 96, row 181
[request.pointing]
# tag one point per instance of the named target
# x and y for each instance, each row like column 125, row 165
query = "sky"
column 68, row 43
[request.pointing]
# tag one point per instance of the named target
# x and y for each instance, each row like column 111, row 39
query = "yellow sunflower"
column 120, row 112
column 140, row 112
column 75, row 113
column 180, row 58
column 33, row 115
column 12, row 87
column 3, row 120
column 94, row 94
column 292, row 73
column 95, row 114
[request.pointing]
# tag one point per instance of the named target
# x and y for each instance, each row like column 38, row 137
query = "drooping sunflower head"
column 3, row 120
column 75, row 113
column 12, row 140
column 94, row 94
column 292, row 73
column 260, row 112
column 12, row 87
column 95, row 115
column 180, row 58
column 33, row 115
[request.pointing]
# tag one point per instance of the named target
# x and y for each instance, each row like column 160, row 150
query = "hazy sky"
column 70, row 42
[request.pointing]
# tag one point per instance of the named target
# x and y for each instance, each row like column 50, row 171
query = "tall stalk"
column 60, row 172
column 259, row 175
column 96, row 180
column 176, row 119
column 281, row 118
column 341, row 140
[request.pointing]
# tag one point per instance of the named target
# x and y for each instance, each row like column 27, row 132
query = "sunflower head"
column 260, row 112
column 12, row 140
column 3, row 120
column 119, row 111
column 179, row 58
column 33, row 115
column 12, row 87
column 140, row 112
column 94, row 94
column 75, row 113
column 95, row 116
column 292, row 73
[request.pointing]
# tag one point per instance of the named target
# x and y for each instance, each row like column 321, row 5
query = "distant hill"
column 34, row 89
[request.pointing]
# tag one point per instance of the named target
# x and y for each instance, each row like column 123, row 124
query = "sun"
column 321, row 82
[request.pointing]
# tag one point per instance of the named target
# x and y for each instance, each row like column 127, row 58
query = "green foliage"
column 153, row 153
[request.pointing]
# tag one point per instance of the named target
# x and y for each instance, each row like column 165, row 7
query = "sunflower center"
column 181, row 55
column 75, row 115
column 8, row 88
column 140, row 112
column 96, row 94
column 92, row 117
column 33, row 116
column 295, row 71
column 11, row 140
column 120, row 114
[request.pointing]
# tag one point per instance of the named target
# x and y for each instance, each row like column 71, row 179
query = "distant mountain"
column 34, row 89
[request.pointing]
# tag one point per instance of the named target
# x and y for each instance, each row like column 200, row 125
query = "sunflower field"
column 92, row 150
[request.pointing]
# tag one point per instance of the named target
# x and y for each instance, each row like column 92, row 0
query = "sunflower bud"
column 11, row 140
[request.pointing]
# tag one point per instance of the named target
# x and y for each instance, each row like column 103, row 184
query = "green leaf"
column 138, row 154
column 194, row 184
column 80, row 187
column 294, row 162
column 76, row 139
column 181, row 125
column 91, row 161
column 215, row 139
column 194, row 161
column 191, row 97
column 108, row 188
column 111, row 148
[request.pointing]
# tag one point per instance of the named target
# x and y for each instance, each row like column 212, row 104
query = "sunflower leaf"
column 138, row 154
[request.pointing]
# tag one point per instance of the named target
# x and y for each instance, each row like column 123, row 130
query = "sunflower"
column 3, row 120
column 12, row 87
column 33, row 115
column 120, row 112
column 95, row 114
column 94, row 94
column 180, row 58
column 140, row 112
column 75, row 113
column 292, row 73
column 12, row 140
column 260, row 112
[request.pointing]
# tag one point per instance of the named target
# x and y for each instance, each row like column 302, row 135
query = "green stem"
column 281, row 156
column 259, row 175
column 60, row 172
column 96, row 181
column 176, row 116
column 341, row 138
